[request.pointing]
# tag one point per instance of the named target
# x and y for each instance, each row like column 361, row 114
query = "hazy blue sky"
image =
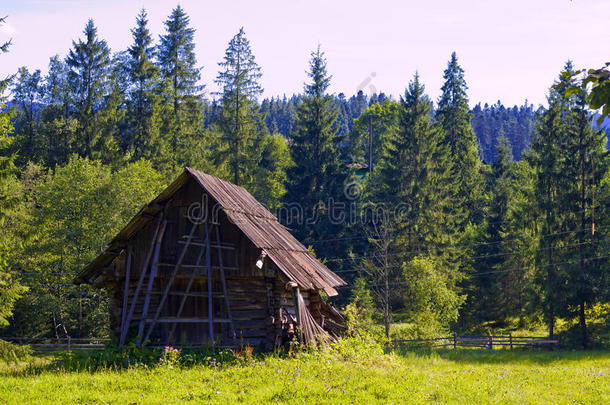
column 511, row 50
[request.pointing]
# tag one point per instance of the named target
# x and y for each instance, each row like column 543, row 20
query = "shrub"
column 11, row 353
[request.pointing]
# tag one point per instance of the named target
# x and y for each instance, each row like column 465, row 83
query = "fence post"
column 68, row 344
column 510, row 338
column 491, row 340
column 454, row 340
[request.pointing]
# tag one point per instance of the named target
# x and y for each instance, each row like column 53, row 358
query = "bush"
column 11, row 353
column 361, row 348
column 130, row 356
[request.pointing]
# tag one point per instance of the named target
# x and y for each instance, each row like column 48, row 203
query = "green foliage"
column 253, row 158
column 599, row 96
column 90, row 79
column 181, row 100
column 142, row 135
column 452, row 114
column 11, row 353
column 317, row 178
column 77, row 209
column 568, row 157
column 10, row 205
column 431, row 300
column 359, row 313
column 382, row 121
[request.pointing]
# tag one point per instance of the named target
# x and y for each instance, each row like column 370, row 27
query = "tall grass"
column 350, row 371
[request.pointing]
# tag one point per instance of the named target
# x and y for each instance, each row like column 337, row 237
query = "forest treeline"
column 439, row 216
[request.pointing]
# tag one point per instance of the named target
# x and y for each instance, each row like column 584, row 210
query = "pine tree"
column 56, row 122
column 239, row 120
column 490, row 293
column 586, row 150
column 316, row 180
column 10, row 289
column 452, row 113
column 26, row 96
column 182, row 111
column 144, row 104
column 411, row 185
column 89, row 64
column 547, row 157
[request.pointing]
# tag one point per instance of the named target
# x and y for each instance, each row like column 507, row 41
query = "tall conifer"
column 316, row 180
column 452, row 113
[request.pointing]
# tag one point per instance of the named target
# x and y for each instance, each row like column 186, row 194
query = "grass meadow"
column 343, row 374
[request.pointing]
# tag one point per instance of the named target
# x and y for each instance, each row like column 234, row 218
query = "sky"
column 510, row 50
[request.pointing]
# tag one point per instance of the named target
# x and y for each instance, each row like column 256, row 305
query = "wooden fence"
column 59, row 344
column 484, row 341
column 455, row 341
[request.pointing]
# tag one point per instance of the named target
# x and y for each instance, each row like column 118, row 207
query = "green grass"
column 343, row 375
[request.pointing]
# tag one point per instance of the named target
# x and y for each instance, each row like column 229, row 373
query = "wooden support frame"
column 151, row 279
column 224, row 287
column 167, row 287
column 160, row 228
column 186, row 292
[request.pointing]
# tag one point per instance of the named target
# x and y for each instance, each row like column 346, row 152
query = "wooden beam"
column 151, row 279
column 126, row 289
column 198, row 266
column 199, row 294
column 168, row 286
column 226, row 246
column 132, row 307
column 187, row 320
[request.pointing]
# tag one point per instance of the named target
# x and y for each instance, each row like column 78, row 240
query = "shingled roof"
column 259, row 225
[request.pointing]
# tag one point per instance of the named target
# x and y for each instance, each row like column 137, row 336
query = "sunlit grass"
column 337, row 376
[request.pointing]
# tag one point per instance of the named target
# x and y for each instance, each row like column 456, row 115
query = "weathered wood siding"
column 263, row 308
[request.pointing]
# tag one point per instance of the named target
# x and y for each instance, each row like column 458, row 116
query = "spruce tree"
column 239, row 120
column 57, row 122
column 27, row 97
column 490, row 294
column 181, row 92
column 547, row 157
column 316, row 180
column 10, row 289
column 89, row 64
column 586, row 162
column 452, row 113
column 411, row 185
column 144, row 104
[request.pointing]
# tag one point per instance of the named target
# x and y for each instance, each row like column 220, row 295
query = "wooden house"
column 205, row 262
